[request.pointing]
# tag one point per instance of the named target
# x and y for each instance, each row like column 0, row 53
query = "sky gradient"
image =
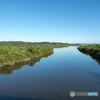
column 70, row 21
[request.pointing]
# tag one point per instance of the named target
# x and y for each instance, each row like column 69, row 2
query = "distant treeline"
column 21, row 42
column 13, row 44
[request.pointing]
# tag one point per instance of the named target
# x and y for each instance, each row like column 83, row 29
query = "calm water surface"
column 52, row 77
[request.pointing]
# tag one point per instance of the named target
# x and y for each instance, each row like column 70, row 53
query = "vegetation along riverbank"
column 9, row 69
column 93, row 50
column 13, row 52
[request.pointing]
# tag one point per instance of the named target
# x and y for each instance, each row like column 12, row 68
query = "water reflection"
column 52, row 78
column 31, row 63
column 96, row 60
column 17, row 95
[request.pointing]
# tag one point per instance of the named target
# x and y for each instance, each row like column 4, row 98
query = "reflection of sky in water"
column 64, row 71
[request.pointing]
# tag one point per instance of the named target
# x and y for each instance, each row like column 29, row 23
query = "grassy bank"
column 15, row 52
column 93, row 50
column 15, row 55
column 9, row 69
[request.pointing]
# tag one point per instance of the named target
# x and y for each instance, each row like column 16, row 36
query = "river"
column 52, row 77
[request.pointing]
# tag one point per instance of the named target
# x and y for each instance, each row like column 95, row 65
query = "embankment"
column 10, row 63
column 92, row 50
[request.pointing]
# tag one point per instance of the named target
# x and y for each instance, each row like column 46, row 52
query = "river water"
column 52, row 77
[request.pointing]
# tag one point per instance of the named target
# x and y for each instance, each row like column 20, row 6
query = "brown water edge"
column 7, row 69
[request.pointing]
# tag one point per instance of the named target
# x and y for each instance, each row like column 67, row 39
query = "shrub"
column 38, row 51
column 38, row 47
column 10, row 57
column 4, row 60
column 1, row 61
column 31, row 50
column 3, row 51
column 97, row 55
column 28, row 54
column 18, row 56
column 43, row 50
column 20, row 49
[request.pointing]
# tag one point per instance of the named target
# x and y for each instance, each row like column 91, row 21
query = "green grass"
column 93, row 50
column 10, row 53
column 13, row 51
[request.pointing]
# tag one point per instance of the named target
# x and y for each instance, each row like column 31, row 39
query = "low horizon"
column 49, row 41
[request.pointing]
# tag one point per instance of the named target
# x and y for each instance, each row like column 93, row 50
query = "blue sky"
column 70, row 21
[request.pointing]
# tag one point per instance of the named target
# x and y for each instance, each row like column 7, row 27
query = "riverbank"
column 93, row 50
column 14, row 58
column 16, row 52
column 13, row 52
column 8, row 69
